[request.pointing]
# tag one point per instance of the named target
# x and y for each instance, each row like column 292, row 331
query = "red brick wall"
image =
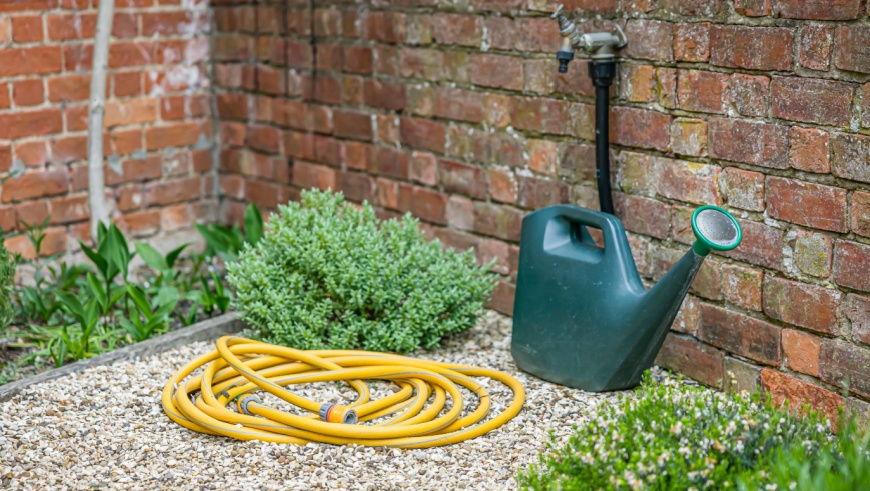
column 159, row 124
column 454, row 111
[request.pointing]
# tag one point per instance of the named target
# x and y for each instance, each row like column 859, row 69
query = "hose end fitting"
column 244, row 401
column 336, row 413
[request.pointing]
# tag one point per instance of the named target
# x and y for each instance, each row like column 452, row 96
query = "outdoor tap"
column 570, row 39
column 599, row 44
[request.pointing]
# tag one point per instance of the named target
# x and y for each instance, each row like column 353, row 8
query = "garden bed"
column 105, row 427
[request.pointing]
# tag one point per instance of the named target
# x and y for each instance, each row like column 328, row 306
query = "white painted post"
column 96, row 183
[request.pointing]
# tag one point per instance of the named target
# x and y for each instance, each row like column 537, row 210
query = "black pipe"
column 602, row 74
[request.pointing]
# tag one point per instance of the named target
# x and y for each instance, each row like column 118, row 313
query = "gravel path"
column 105, row 428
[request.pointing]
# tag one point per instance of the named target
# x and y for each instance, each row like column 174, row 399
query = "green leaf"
column 98, row 260
column 130, row 328
column 138, row 297
column 151, row 256
column 253, row 224
column 98, row 292
column 173, row 255
column 72, row 304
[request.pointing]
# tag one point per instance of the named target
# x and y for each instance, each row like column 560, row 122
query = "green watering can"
column 582, row 317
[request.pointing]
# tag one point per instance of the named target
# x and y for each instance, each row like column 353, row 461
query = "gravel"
column 105, row 428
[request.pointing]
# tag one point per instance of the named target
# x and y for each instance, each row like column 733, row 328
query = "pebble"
column 104, row 428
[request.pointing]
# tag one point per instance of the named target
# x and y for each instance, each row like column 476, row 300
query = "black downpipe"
column 602, row 74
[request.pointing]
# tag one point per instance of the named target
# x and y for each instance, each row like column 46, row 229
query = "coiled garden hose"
column 239, row 367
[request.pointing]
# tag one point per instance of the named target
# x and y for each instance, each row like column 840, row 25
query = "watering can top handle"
column 610, row 225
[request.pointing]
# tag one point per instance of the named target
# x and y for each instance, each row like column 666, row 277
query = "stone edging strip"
column 201, row 331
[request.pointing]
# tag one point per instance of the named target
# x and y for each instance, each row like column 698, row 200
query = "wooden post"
column 96, row 111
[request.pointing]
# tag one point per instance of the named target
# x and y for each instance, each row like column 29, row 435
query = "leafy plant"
column 671, row 436
column 842, row 464
column 77, row 345
column 7, row 284
column 227, row 242
column 112, row 255
column 163, row 265
column 151, row 315
column 327, row 274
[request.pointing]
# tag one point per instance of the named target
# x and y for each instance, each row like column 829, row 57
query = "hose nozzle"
column 336, row 413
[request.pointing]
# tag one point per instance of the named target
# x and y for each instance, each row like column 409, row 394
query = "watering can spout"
column 613, row 334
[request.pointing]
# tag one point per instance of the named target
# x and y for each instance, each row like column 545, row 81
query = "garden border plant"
column 329, row 274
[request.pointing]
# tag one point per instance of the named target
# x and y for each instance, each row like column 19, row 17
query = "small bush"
column 676, row 437
column 7, row 285
column 329, row 275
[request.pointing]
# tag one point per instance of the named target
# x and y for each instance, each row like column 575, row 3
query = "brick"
column 174, row 135
column 423, row 168
column 535, row 34
column 812, row 205
column 460, row 213
column 688, row 181
column 32, row 154
column 643, row 215
column 706, row 283
column 651, row 40
column 502, row 72
column 313, row 176
column 130, row 111
column 423, row 134
column 458, row 104
column 813, row 253
column 537, row 193
column 742, row 286
column 801, row 351
column 850, row 157
column 865, row 109
column 538, row 76
column 131, row 53
column 845, row 365
column 71, row 26
column 636, row 83
column 781, row 387
column 358, row 59
column 543, row 156
column 861, row 213
column 858, row 311
column 68, row 87
column 30, row 123
column 689, row 137
column 692, row 42
column 140, row 224
column 849, row 56
column 384, row 95
column 815, row 48
column 750, row 94
column 761, row 144
column 802, row 305
column 809, row 149
column 741, row 334
column 496, row 110
column 133, row 170
column 36, row 184
column 667, row 84
column 756, row 48
column 498, row 221
column 169, row 192
column 31, row 213
column 27, row 28
column 28, row 92
column 742, row 376
column 5, row 99
column 502, row 185
column 812, row 100
column 701, row 91
column 67, row 209
column 762, row 245
column 30, row 61
column 743, row 189
column 502, row 149
column 698, row 361
column 68, row 149
column 455, row 177
column 689, row 316
column 831, row 10
column 463, row 30
column 639, row 128
column 637, row 174
column 352, row 124
column 171, row 23
column 851, row 265
column 429, row 205
column 539, row 114
column 503, row 298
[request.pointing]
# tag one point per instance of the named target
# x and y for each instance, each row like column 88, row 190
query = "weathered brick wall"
column 159, row 125
column 453, row 110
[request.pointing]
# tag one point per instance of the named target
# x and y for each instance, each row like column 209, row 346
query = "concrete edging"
column 201, row 331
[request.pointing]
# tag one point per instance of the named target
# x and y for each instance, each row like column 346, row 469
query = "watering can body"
column 582, row 317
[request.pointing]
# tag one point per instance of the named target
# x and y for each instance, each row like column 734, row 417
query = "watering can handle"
column 610, row 226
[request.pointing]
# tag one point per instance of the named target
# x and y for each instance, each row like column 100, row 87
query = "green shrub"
column 7, row 285
column 842, row 464
column 329, row 275
column 669, row 436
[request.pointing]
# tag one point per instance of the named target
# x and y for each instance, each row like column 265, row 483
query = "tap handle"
column 558, row 12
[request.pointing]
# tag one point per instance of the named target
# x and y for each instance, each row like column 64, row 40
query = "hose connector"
column 244, row 401
column 336, row 413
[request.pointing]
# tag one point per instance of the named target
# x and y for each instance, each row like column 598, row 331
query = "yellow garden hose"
column 239, row 367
